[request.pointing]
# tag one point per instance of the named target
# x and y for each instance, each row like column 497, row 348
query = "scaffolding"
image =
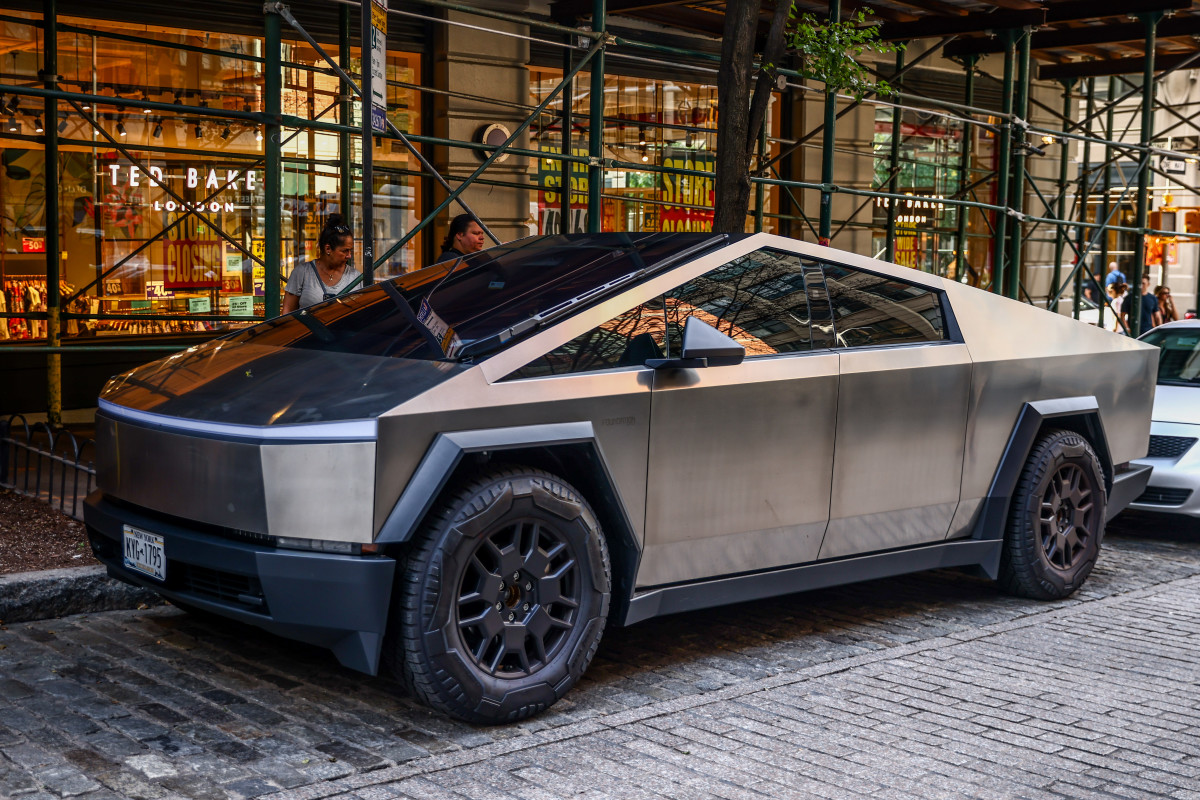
column 1023, row 206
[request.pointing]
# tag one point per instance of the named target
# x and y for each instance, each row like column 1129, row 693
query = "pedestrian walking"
column 1151, row 316
column 1114, row 275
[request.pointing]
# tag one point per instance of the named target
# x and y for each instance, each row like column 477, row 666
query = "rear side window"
column 870, row 309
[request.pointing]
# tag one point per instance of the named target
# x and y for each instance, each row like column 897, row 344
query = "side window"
column 759, row 300
column 871, row 309
column 625, row 341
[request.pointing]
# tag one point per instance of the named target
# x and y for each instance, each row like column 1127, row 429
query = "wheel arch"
column 568, row 450
column 1078, row 414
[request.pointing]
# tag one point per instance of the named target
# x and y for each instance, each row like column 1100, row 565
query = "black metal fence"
column 53, row 466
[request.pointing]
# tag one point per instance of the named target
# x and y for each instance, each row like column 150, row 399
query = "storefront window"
column 928, row 172
column 659, row 123
column 131, row 251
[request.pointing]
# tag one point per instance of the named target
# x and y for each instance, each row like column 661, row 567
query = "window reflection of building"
column 113, row 206
column 659, row 123
column 928, row 172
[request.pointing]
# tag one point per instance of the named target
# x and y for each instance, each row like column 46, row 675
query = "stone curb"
column 28, row 596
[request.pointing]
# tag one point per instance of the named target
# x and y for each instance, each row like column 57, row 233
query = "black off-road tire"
column 465, row 637
column 1056, row 520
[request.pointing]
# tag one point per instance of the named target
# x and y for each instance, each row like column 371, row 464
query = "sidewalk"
column 930, row 685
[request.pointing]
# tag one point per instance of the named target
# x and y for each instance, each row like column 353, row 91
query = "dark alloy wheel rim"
column 1066, row 516
column 519, row 598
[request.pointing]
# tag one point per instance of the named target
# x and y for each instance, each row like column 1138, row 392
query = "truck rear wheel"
column 1056, row 521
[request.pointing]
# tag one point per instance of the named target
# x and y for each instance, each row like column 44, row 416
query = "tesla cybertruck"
column 463, row 474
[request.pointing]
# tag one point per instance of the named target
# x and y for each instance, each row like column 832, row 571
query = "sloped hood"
column 1177, row 404
column 244, row 383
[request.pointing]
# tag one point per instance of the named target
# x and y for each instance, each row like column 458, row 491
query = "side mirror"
column 703, row 346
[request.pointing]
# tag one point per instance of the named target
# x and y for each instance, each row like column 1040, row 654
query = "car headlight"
column 320, row 545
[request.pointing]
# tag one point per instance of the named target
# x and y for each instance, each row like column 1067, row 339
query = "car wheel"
column 502, row 598
column 1056, row 520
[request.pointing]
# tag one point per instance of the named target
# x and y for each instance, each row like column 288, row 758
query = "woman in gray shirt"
column 325, row 276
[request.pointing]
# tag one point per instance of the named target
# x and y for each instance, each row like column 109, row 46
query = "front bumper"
column 1174, row 488
column 1129, row 481
column 334, row 601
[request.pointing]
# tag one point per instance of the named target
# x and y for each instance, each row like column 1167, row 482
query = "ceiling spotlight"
column 13, row 126
column 690, row 140
column 86, row 106
column 258, row 135
column 645, row 155
column 12, row 104
column 225, row 132
column 642, row 135
column 198, row 131
column 145, row 99
column 157, row 129
column 120, row 128
column 62, row 123
column 38, row 126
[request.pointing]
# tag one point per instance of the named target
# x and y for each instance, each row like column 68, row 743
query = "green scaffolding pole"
column 1004, row 148
column 889, row 253
column 1064, row 162
column 964, row 173
column 1143, row 193
column 1012, row 273
column 1106, row 189
column 273, row 168
column 828, row 140
column 596, row 124
column 53, row 248
column 1085, row 184
column 345, row 143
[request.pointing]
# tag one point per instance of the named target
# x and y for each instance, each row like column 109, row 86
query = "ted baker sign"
column 193, row 178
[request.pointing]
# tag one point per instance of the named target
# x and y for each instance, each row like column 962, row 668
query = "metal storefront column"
column 1003, row 146
column 1064, row 161
column 53, row 259
column 596, row 126
column 964, row 172
column 1085, row 185
column 889, row 252
column 273, row 167
column 1143, row 195
column 1012, row 283
column 345, row 113
column 828, row 140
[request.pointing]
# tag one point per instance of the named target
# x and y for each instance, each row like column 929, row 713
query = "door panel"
column 740, row 466
column 901, row 427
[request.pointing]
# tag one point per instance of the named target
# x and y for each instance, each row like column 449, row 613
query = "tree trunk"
column 733, row 118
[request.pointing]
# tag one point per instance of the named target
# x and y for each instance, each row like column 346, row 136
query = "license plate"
column 145, row 553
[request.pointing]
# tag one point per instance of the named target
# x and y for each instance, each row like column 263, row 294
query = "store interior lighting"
column 38, row 126
column 258, row 136
column 225, row 132
column 642, row 135
column 198, row 131
column 62, row 123
column 120, row 128
column 645, row 154
column 13, row 126
column 157, row 133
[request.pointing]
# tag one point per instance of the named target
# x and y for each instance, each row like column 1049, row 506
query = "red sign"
column 32, row 245
column 191, row 263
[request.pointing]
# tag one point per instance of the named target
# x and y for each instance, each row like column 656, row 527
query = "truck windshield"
column 466, row 309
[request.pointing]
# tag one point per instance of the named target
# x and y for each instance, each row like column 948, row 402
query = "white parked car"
column 1175, row 422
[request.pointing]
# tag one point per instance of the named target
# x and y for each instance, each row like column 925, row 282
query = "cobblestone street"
column 932, row 685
